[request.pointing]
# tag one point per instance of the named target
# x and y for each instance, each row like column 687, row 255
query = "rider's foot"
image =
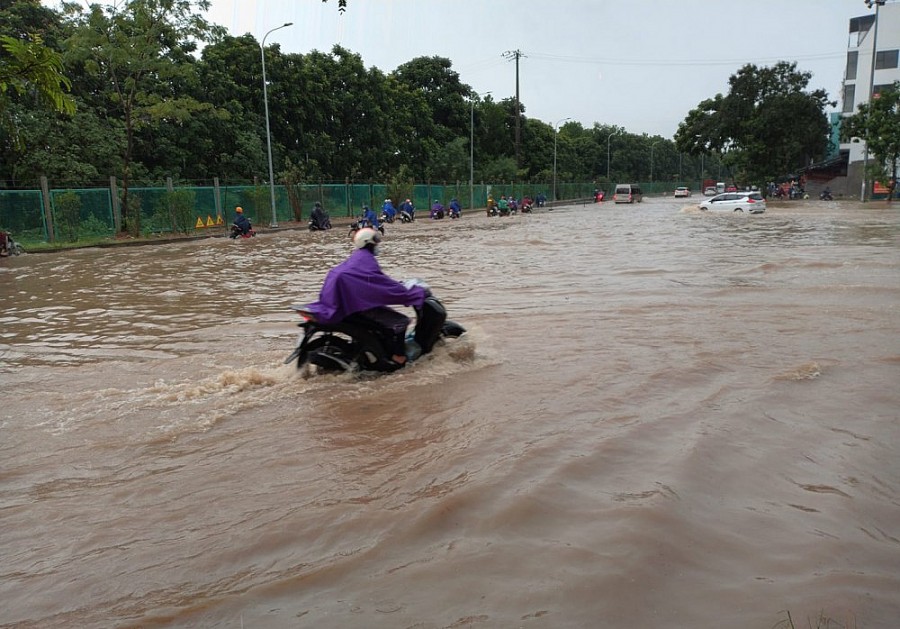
column 400, row 359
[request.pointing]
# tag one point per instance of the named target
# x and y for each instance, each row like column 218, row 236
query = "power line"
column 685, row 62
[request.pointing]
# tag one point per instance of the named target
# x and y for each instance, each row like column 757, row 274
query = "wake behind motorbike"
column 356, row 343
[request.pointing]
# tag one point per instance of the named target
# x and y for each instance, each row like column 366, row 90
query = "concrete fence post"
column 48, row 208
column 116, row 206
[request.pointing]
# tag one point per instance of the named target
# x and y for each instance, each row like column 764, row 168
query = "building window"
column 859, row 28
column 849, row 95
column 886, row 59
column 878, row 89
column 850, row 73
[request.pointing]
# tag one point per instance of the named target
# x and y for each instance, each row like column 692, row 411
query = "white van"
column 628, row 193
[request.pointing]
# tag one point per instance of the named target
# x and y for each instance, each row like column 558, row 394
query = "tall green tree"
column 767, row 125
column 142, row 49
column 444, row 93
column 878, row 122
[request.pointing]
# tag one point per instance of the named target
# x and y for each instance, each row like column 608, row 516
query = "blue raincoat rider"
column 455, row 207
column 389, row 210
column 408, row 207
column 370, row 217
column 241, row 221
column 358, row 288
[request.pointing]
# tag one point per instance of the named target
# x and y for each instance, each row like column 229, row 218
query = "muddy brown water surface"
column 658, row 418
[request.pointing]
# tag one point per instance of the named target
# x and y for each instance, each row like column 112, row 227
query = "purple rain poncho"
column 357, row 284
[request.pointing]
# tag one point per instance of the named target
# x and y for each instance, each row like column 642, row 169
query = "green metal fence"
column 86, row 212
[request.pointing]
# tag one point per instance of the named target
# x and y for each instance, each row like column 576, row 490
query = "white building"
column 865, row 36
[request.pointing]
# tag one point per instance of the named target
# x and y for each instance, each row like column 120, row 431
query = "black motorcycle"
column 236, row 232
column 319, row 225
column 357, row 225
column 406, row 217
column 357, row 343
column 826, row 196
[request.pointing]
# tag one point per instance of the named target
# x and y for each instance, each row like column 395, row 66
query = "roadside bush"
column 175, row 211
column 67, row 216
column 93, row 227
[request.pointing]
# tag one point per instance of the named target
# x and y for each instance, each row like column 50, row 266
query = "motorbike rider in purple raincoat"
column 358, row 288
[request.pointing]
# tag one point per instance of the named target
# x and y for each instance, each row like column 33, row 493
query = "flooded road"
column 657, row 418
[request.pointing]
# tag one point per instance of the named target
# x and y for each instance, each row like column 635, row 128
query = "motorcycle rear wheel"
column 334, row 347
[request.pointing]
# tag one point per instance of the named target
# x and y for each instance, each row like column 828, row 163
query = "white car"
column 682, row 191
column 751, row 202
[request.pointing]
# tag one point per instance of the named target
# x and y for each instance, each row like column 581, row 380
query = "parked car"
column 682, row 191
column 710, row 191
column 752, row 202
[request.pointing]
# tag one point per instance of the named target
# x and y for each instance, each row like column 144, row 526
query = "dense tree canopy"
column 766, row 126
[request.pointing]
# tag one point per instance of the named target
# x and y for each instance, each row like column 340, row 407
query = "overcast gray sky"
column 639, row 65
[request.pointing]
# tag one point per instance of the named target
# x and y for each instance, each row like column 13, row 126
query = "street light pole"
column 555, row 135
column 869, row 3
column 607, row 153
column 262, row 52
column 472, row 152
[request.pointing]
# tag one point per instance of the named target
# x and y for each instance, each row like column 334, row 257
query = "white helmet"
column 365, row 236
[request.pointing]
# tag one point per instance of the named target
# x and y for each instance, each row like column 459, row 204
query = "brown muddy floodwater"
column 658, row 418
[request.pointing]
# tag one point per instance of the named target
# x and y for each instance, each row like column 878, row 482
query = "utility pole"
column 515, row 54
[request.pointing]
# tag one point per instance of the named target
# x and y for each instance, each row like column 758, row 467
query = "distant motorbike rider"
column 408, row 209
column 369, row 217
column 437, row 210
column 319, row 219
column 826, row 194
column 7, row 246
column 388, row 211
column 357, row 289
column 491, row 206
column 503, row 205
column 455, row 208
column 242, row 222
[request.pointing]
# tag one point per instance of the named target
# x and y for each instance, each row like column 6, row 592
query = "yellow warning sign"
column 209, row 221
column 219, row 220
column 199, row 223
